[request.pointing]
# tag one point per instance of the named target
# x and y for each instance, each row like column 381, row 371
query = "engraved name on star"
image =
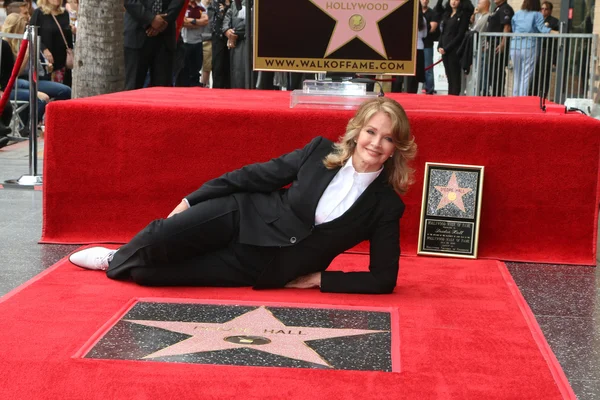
column 357, row 19
column 258, row 329
column 452, row 194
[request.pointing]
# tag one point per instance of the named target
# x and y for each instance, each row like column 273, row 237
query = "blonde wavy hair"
column 48, row 8
column 14, row 23
column 397, row 168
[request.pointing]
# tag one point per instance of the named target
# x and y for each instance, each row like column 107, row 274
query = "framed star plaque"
column 368, row 36
column 450, row 210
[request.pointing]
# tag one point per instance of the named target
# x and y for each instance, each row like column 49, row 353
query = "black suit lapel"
column 321, row 180
column 368, row 198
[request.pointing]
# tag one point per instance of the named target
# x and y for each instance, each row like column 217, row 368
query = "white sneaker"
column 95, row 258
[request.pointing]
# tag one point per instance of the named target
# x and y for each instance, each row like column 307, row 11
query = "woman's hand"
column 48, row 56
column 306, row 281
column 441, row 51
column 180, row 207
column 43, row 96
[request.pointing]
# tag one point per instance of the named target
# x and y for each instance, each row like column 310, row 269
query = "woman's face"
column 374, row 144
column 454, row 4
column 55, row 3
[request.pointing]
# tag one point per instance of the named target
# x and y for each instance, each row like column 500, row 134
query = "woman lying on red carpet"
column 245, row 229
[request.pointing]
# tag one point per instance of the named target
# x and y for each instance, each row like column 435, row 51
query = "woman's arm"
column 261, row 177
column 384, row 258
column 444, row 23
column 538, row 22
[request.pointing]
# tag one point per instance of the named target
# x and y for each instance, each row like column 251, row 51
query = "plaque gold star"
column 452, row 194
column 258, row 329
column 357, row 19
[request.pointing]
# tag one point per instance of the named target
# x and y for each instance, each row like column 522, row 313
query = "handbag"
column 69, row 62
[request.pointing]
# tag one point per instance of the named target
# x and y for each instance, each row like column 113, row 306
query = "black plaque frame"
column 450, row 211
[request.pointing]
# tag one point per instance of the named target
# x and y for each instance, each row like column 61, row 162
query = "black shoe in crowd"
column 4, row 141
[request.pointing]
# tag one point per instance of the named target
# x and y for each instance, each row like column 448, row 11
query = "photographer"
column 220, row 55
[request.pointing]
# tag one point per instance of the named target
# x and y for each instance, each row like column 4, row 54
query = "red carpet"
column 465, row 333
column 115, row 162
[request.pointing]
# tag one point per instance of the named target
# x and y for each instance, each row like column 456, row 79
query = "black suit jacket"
column 139, row 16
column 276, row 217
column 453, row 30
column 552, row 23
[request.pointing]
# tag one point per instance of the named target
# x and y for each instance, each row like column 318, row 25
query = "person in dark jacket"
column 547, row 55
column 150, row 41
column 234, row 29
column 433, row 34
column 281, row 223
column 496, row 50
column 454, row 25
column 412, row 82
column 220, row 53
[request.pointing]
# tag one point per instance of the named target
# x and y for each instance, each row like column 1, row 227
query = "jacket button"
column 293, row 239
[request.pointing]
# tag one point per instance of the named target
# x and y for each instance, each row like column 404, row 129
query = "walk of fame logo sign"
column 450, row 210
column 370, row 36
column 252, row 335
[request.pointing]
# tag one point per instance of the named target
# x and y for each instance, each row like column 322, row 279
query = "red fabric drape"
column 181, row 16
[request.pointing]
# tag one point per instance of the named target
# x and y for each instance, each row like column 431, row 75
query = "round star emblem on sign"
column 357, row 22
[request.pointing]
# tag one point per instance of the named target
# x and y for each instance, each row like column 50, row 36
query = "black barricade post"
column 33, row 179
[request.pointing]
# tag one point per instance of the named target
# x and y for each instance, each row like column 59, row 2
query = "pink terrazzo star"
column 357, row 19
column 258, row 329
column 452, row 193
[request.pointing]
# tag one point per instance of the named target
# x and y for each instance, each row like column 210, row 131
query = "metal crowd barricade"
column 33, row 178
column 551, row 66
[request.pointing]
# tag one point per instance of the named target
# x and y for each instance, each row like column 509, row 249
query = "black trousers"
column 412, row 82
column 494, row 80
column 220, row 63
column 194, row 248
column 453, row 72
column 540, row 84
column 154, row 56
column 189, row 75
column 398, row 84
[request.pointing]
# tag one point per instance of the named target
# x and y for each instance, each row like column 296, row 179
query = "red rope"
column 433, row 65
column 13, row 76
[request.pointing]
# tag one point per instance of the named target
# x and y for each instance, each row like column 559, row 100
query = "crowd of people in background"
column 454, row 25
column 56, row 22
column 211, row 46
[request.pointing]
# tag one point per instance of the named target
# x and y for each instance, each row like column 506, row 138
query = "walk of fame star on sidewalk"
column 258, row 329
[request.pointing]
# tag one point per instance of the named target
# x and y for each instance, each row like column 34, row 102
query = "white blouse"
column 343, row 190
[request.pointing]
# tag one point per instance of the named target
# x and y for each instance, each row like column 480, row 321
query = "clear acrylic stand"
column 329, row 94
